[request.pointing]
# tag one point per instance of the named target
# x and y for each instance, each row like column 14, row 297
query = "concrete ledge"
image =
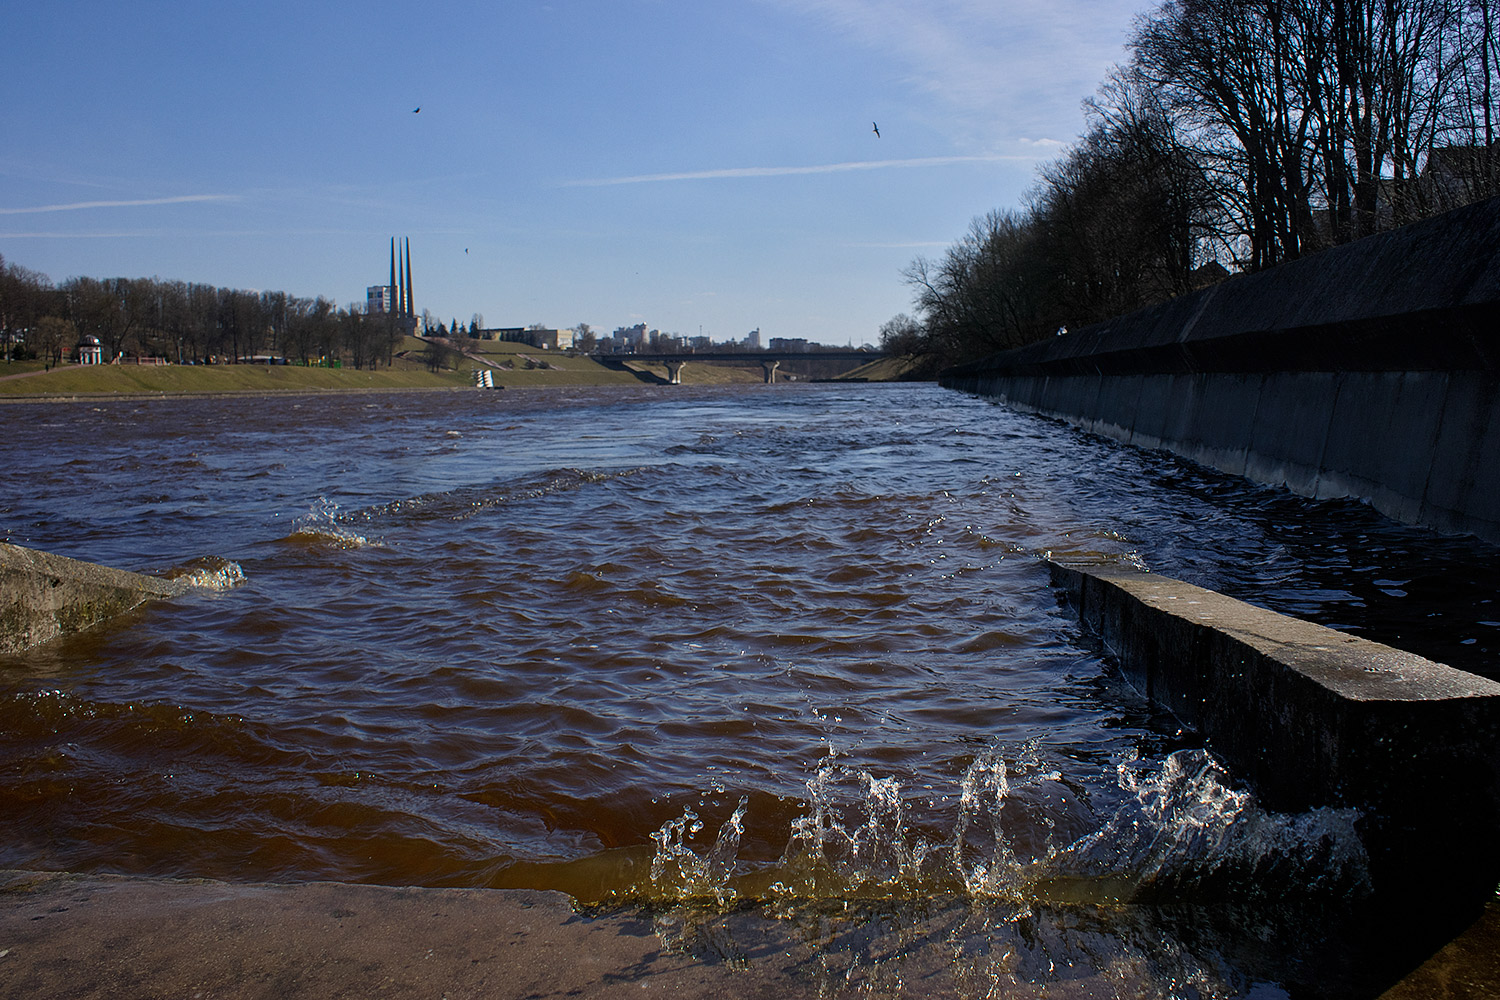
column 43, row 596
column 1312, row 717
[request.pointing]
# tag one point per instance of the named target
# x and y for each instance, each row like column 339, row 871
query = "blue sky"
column 690, row 165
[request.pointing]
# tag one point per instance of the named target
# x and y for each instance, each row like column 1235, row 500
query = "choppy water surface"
column 784, row 652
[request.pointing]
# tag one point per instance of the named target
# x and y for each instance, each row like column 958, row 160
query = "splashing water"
column 208, row 573
column 1184, row 826
column 693, row 875
column 1181, row 832
column 323, row 526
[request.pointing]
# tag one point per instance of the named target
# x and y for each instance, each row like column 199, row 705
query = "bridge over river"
column 769, row 361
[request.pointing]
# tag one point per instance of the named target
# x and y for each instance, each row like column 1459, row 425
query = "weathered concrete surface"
column 1468, row 968
column 84, row 936
column 1311, row 717
column 102, row 936
column 43, row 596
column 1370, row 370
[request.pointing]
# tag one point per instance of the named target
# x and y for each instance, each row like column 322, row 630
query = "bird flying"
column 876, row 128
column 416, row 111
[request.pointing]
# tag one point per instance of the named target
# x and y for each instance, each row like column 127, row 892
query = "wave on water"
column 467, row 501
column 325, row 527
column 207, row 573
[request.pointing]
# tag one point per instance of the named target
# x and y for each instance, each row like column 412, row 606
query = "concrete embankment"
column 105, row 936
column 1311, row 717
column 1370, row 370
column 43, row 596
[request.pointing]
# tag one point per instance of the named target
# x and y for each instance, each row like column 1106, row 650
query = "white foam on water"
column 1185, row 824
column 324, row 526
column 208, row 573
column 1182, row 829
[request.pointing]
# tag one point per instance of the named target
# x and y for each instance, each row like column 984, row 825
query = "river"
column 772, row 648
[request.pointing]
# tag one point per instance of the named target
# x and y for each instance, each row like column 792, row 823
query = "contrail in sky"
column 821, row 168
column 75, row 206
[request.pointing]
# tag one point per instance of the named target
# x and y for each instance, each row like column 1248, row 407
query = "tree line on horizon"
column 184, row 322
column 1239, row 135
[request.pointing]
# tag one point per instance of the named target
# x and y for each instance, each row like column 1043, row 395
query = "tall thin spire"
column 410, row 307
column 390, row 304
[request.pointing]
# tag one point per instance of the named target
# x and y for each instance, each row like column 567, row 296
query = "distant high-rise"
column 379, row 299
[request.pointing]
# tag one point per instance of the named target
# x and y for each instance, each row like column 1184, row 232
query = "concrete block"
column 1184, row 395
column 1291, row 428
column 1463, row 482
column 1311, row 717
column 1028, row 392
column 1074, row 397
column 1381, row 438
column 1154, row 411
column 1223, row 420
column 1115, row 406
column 43, row 596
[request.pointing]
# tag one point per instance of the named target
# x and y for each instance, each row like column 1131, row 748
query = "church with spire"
column 395, row 298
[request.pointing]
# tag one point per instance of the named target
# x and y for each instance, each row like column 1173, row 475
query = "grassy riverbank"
column 509, row 365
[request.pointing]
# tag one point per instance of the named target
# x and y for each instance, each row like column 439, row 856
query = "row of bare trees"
column 1242, row 133
column 182, row 321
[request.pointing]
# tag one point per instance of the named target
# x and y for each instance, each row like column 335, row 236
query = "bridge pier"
column 769, row 367
column 674, row 371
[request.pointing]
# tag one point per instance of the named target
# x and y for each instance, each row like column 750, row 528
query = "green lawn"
column 149, row 380
column 510, row 364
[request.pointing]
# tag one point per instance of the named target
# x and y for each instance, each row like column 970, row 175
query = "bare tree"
column 109, row 309
column 902, row 335
column 54, row 337
column 24, row 298
column 584, row 338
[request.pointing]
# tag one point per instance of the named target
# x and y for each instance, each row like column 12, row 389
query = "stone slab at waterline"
column 1311, row 717
column 75, row 936
column 43, row 596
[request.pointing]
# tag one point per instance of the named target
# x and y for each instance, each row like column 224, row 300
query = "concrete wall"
column 43, row 596
column 1370, row 370
column 1311, row 717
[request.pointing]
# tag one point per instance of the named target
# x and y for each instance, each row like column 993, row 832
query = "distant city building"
column 788, row 345
column 549, row 340
column 544, row 340
column 752, row 339
column 380, row 299
column 628, row 339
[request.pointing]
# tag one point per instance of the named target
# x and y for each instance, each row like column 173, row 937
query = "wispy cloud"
column 71, row 236
column 816, row 168
column 76, row 206
column 178, row 234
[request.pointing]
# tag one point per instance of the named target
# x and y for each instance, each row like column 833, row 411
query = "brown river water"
column 781, row 650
